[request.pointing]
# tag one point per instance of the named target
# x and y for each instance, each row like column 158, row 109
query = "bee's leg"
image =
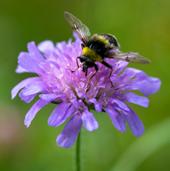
column 77, row 61
column 81, row 58
column 86, row 72
column 87, row 63
column 85, row 69
column 110, row 67
column 96, row 67
column 106, row 64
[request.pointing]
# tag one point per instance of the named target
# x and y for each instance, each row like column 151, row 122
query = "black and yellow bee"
column 99, row 46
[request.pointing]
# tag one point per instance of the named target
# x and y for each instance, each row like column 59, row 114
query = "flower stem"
column 78, row 149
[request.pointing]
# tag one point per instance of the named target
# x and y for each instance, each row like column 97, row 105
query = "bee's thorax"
column 90, row 53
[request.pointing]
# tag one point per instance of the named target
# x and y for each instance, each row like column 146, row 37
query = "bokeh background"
column 140, row 25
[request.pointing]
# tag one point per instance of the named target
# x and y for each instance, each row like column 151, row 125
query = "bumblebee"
column 97, row 47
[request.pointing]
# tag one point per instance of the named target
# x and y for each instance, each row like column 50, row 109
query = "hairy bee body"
column 91, row 54
column 95, row 48
column 99, row 46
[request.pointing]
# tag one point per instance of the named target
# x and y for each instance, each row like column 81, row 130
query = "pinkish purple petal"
column 20, row 70
column 121, row 104
column 117, row 119
column 97, row 105
column 48, row 97
column 34, row 52
column 26, row 99
column 89, row 121
column 135, row 123
column 60, row 114
column 37, row 87
column 148, row 86
column 46, row 46
column 69, row 135
column 33, row 111
column 136, row 99
column 118, row 66
column 23, row 84
column 141, row 81
column 26, row 62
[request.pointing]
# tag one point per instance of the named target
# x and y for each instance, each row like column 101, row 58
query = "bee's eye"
column 82, row 45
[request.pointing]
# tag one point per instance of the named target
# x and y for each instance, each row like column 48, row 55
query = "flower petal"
column 89, row 121
column 68, row 136
column 135, row 123
column 19, row 69
column 34, row 88
column 26, row 62
column 148, row 86
column 97, row 105
column 26, row 99
column 34, row 52
column 60, row 114
column 22, row 84
column 141, row 81
column 46, row 46
column 136, row 99
column 48, row 97
column 121, row 104
column 33, row 111
column 117, row 118
column 119, row 66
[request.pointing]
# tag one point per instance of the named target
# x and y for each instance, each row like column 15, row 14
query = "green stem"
column 78, row 149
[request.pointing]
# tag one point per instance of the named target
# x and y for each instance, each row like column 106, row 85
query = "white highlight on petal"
column 46, row 46
column 89, row 121
column 136, row 99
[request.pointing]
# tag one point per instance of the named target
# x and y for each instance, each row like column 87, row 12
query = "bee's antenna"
column 77, row 63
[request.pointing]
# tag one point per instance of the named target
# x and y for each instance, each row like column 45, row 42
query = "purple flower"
column 58, row 80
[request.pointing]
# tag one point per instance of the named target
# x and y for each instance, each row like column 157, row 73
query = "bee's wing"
column 131, row 57
column 77, row 26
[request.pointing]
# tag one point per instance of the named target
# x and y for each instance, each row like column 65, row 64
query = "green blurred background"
column 140, row 25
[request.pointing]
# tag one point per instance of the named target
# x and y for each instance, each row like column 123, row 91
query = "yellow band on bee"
column 102, row 39
column 91, row 54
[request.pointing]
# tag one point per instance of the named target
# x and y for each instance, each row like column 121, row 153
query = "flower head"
column 58, row 80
